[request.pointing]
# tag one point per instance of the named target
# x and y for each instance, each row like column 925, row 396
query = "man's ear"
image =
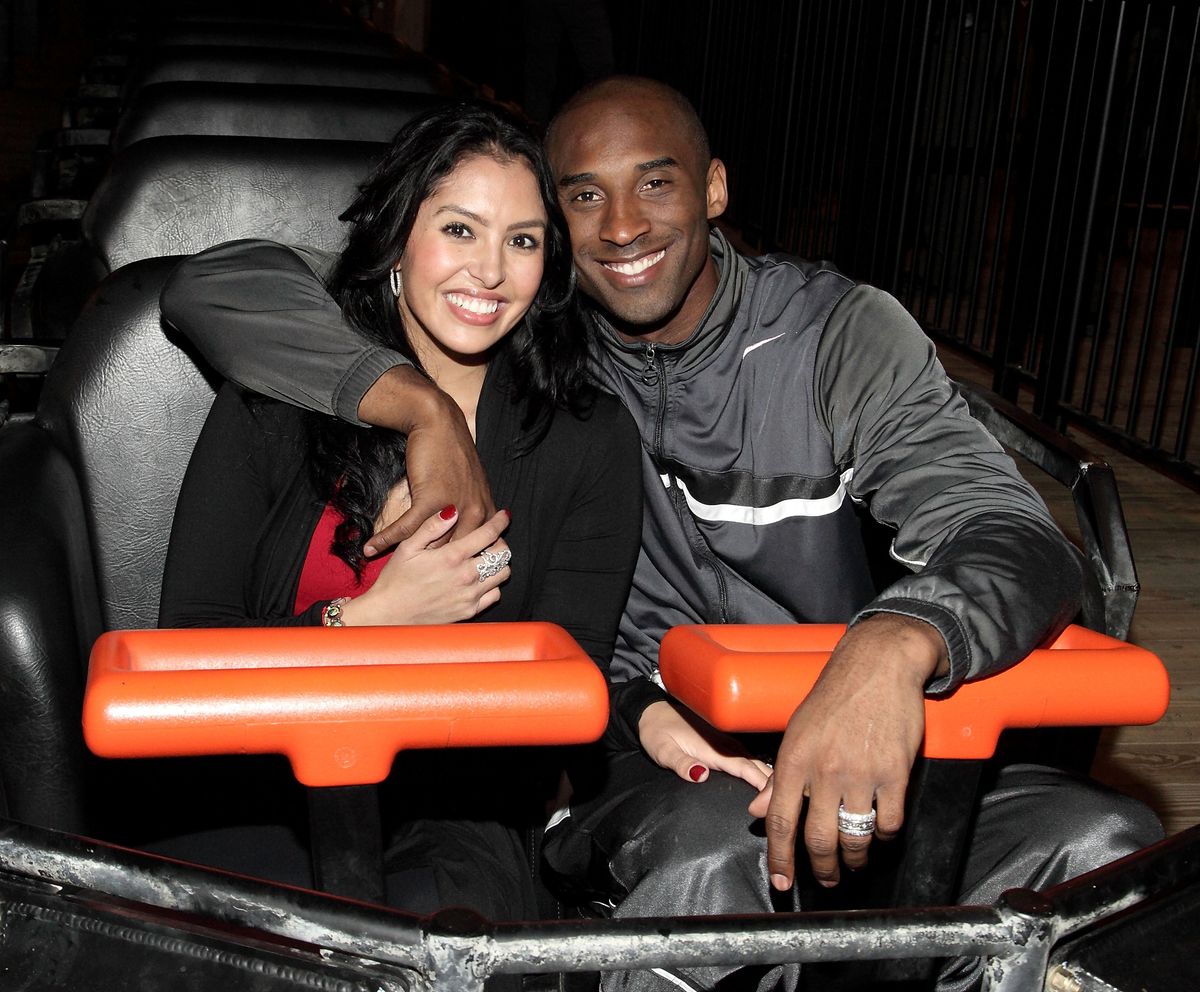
column 717, row 190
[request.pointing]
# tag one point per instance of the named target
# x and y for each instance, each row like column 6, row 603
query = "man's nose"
column 624, row 221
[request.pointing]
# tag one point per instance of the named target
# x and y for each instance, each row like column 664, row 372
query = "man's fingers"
column 854, row 842
column 782, row 818
column 821, row 837
column 400, row 529
column 889, row 808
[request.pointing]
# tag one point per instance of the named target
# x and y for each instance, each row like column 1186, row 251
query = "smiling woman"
column 457, row 258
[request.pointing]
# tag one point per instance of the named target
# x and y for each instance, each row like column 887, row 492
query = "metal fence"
column 1022, row 174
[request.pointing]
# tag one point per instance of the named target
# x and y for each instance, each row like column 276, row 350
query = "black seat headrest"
column 180, row 195
column 269, row 111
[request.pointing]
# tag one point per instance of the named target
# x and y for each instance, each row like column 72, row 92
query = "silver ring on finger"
column 855, row 824
column 489, row 563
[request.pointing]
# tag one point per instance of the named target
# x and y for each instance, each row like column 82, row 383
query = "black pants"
column 655, row 845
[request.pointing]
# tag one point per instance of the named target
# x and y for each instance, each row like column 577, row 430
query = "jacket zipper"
column 654, row 372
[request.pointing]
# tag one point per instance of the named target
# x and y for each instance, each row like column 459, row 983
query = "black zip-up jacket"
column 800, row 397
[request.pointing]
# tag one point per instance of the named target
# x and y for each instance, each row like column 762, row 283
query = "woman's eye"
column 527, row 241
column 457, row 229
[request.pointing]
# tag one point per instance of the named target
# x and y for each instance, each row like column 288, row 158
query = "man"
column 773, row 396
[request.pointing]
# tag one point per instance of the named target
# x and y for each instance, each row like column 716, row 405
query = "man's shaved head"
column 634, row 88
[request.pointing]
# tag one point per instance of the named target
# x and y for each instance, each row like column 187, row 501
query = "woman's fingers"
column 482, row 537
column 430, row 531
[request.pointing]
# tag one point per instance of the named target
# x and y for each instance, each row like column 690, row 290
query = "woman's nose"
column 487, row 265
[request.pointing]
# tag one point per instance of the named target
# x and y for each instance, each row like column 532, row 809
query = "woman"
column 456, row 256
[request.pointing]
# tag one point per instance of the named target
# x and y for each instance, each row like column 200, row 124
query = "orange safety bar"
column 749, row 678
column 340, row 703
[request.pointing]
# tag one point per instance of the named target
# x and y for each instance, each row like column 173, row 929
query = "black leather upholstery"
column 268, row 65
column 268, row 111
column 125, row 404
column 179, row 195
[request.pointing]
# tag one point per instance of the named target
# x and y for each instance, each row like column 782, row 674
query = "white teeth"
column 633, row 268
column 474, row 304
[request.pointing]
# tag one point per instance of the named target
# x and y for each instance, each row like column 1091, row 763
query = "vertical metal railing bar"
column 908, row 170
column 1093, row 199
column 1154, row 434
column 878, row 243
column 926, row 118
column 829, row 182
column 1046, row 395
column 1131, row 271
column 815, row 136
column 935, row 149
column 989, row 181
column 840, row 190
column 766, row 175
column 1156, row 426
column 1094, row 359
column 975, row 111
column 956, row 238
column 783, row 178
column 1189, row 394
column 1143, row 351
column 1001, row 242
column 706, row 61
column 1005, row 351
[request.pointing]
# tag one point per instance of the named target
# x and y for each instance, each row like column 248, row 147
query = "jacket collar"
column 699, row 346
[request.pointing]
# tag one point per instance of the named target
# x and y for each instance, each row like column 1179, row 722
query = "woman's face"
column 473, row 261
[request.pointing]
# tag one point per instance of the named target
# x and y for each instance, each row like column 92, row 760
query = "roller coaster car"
column 87, row 490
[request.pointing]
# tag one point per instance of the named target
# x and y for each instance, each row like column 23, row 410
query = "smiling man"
column 776, row 400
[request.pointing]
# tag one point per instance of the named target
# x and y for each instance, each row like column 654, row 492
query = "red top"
column 324, row 575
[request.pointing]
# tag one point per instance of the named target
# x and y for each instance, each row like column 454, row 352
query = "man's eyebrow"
column 657, row 163
column 589, row 177
column 576, row 178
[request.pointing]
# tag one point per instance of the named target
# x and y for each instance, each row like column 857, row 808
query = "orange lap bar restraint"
column 749, row 678
column 339, row 702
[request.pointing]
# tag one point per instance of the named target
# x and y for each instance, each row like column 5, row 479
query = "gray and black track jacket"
column 800, row 400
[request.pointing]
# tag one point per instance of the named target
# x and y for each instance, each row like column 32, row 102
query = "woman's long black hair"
column 547, row 350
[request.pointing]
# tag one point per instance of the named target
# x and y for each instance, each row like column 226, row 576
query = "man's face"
column 638, row 203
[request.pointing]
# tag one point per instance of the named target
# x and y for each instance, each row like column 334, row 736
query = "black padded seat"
column 182, row 194
column 87, row 494
column 269, row 111
column 205, row 63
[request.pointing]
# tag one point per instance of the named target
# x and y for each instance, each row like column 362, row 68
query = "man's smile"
column 637, row 266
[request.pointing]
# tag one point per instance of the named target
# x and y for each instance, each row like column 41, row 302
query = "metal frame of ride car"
column 233, row 926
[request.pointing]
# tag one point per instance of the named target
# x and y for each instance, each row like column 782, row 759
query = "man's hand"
column 852, row 741
column 443, row 465
column 681, row 742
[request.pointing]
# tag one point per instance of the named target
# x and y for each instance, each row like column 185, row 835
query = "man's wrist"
column 402, row 399
column 919, row 645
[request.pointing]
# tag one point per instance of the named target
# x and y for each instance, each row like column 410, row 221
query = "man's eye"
column 654, row 184
column 586, row 196
column 457, row 229
column 527, row 241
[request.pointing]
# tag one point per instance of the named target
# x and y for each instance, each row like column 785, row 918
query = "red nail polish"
column 447, row 512
column 508, row 513
column 696, row 772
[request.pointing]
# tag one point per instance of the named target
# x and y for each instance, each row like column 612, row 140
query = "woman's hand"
column 683, row 743
column 422, row 583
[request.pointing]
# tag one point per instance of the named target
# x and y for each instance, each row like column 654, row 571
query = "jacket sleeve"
column 992, row 571
column 224, row 503
column 260, row 314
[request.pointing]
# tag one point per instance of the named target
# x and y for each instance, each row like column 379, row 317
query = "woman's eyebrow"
column 453, row 208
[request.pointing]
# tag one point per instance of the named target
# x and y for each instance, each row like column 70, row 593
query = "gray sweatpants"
column 658, row 846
